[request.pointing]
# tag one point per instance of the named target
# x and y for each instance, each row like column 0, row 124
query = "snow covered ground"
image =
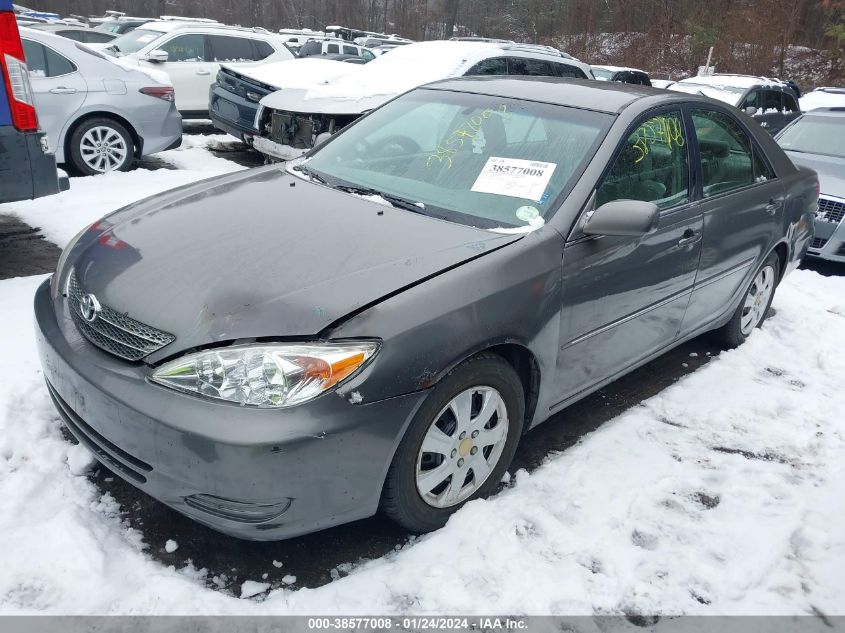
column 724, row 494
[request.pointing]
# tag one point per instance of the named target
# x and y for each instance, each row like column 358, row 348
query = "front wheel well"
column 136, row 140
column 526, row 366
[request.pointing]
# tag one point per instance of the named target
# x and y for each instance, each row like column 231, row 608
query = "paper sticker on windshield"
column 514, row 177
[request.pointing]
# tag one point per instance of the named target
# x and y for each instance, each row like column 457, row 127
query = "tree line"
column 800, row 39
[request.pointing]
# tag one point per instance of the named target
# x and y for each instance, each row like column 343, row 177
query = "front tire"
column 101, row 145
column 754, row 307
column 458, row 445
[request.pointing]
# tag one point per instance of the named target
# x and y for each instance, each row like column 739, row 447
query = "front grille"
column 114, row 332
column 818, row 243
column 830, row 210
column 109, row 454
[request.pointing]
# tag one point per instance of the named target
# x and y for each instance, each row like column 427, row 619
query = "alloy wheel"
column 462, row 447
column 103, row 149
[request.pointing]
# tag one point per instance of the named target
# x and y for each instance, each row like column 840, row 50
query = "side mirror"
column 157, row 56
column 751, row 110
column 622, row 217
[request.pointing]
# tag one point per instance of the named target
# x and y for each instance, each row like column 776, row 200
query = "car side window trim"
column 756, row 150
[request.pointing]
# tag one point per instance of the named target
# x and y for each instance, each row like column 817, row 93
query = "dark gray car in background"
column 376, row 325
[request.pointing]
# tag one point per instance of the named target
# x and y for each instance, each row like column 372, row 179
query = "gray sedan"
column 379, row 323
column 817, row 141
column 99, row 115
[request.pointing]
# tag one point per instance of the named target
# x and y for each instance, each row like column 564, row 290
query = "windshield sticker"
column 527, row 213
column 468, row 131
column 143, row 39
column 665, row 130
column 514, row 177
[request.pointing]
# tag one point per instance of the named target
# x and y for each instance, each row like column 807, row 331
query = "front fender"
column 510, row 296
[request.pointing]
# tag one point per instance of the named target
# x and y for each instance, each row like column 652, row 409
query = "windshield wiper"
column 396, row 201
column 302, row 169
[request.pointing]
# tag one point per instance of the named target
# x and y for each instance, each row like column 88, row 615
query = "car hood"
column 263, row 253
column 375, row 83
column 298, row 72
column 831, row 171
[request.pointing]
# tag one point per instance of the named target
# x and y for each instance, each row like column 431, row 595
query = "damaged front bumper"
column 258, row 474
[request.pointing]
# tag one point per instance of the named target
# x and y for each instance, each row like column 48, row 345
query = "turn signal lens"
column 268, row 375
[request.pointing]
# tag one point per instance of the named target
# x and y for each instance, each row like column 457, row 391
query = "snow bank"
column 720, row 495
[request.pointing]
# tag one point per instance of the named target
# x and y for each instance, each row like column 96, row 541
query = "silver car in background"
column 99, row 115
column 817, row 140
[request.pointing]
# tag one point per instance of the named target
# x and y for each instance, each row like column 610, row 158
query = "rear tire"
column 100, row 145
column 470, row 423
column 754, row 307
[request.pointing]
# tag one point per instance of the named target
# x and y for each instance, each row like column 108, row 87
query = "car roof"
column 733, row 81
column 833, row 111
column 59, row 27
column 602, row 96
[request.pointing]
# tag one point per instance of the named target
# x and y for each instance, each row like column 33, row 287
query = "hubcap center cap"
column 465, row 447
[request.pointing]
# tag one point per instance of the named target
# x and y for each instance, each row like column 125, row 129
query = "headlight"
column 266, row 375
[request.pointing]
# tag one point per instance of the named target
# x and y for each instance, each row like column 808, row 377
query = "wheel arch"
column 524, row 363
column 137, row 141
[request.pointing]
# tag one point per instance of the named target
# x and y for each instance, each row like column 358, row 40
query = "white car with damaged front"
column 296, row 118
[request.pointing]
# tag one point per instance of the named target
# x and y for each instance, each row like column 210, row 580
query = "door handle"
column 202, row 71
column 773, row 206
column 689, row 237
column 61, row 90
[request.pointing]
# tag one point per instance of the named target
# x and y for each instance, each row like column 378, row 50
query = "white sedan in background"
column 99, row 115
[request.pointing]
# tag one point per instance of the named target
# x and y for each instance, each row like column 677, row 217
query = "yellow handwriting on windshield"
column 665, row 130
column 466, row 131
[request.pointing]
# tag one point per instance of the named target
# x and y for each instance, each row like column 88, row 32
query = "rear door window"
column 350, row 50
column 573, row 72
column 530, row 67
column 652, row 166
column 72, row 34
column 262, row 49
column 729, row 159
column 332, row 49
column 492, row 66
column 790, row 105
column 225, row 48
column 45, row 62
column 92, row 37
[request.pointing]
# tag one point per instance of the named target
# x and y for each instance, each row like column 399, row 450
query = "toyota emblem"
column 89, row 307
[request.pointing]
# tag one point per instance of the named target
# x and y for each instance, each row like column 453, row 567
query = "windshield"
column 132, row 42
column 815, row 135
column 480, row 160
column 602, row 74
